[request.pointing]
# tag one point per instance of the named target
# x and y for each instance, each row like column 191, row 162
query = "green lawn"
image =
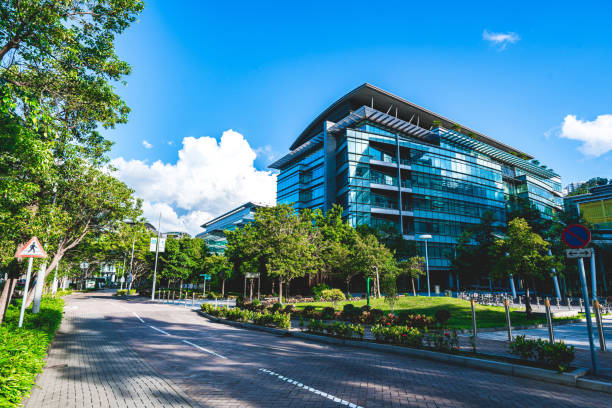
column 461, row 313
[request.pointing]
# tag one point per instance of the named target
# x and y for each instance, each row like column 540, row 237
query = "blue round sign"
column 576, row 236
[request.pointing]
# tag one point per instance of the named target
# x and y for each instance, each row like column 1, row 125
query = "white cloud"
column 146, row 144
column 596, row 135
column 208, row 179
column 500, row 39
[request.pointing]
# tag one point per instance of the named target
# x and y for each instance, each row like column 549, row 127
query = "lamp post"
column 425, row 237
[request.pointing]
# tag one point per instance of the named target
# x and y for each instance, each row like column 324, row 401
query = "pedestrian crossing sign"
column 33, row 249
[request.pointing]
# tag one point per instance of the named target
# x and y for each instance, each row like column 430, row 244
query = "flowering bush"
column 410, row 336
column 418, row 320
column 443, row 341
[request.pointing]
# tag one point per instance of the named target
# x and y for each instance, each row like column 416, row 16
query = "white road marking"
column 160, row 330
column 204, row 349
column 142, row 321
column 313, row 390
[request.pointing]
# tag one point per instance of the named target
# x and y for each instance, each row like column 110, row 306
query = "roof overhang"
column 370, row 95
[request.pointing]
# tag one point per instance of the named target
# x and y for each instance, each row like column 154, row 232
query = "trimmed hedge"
column 558, row 356
column 23, row 350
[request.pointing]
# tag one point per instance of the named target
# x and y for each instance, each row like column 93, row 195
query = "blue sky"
column 265, row 70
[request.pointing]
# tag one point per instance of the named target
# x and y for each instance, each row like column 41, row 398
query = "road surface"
column 121, row 353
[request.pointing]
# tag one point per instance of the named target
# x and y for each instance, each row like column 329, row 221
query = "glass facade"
column 214, row 230
column 439, row 182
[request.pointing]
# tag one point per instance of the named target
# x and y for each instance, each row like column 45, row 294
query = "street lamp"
column 425, row 237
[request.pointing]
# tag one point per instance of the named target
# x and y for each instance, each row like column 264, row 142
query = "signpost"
column 32, row 249
column 158, row 245
column 206, row 277
column 578, row 236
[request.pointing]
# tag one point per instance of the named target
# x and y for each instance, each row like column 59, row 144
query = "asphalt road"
column 116, row 352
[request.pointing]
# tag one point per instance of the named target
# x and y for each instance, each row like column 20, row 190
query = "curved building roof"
column 370, row 95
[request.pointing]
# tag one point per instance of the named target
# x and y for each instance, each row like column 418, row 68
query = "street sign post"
column 206, row 277
column 32, row 249
column 578, row 236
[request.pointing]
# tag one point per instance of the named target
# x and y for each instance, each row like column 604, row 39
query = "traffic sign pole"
column 156, row 255
column 587, row 311
column 25, row 292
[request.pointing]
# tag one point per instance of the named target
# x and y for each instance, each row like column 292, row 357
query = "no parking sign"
column 576, row 236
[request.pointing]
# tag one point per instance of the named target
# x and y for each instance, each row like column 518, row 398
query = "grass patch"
column 23, row 350
column 461, row 312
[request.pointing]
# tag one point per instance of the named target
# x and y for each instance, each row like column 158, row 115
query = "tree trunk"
column 413, row 288
column 181, row 290
column 280, row 291
column 528, row 309
column 223, row 289
column 348, row 286
column 7, row 293
column 251, row 291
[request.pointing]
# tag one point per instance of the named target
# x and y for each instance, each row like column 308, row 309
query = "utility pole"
column 156, row 255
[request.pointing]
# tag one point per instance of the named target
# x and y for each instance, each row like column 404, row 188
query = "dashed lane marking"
column 160, row 330
column 204, row 349
column 313, row 390
column 142, row 321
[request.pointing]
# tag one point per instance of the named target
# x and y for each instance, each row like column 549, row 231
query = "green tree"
column 218, row 266
column 522, row 254
column 373, row 259
column 413, row 267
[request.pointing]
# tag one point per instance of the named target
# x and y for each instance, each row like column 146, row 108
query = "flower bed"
column 336, row 329
column 264, row 318
column 553, row 355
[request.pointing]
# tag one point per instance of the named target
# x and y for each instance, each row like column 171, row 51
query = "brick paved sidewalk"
column 90, row 365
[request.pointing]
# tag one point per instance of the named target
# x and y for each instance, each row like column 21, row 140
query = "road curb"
column 571, row 379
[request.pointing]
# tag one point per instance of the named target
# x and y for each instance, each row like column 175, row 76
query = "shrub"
column 289, row 309
column 350, row 312
column 23, row 350
column 376, row 314
column 443, row 316
column 558, row 356
column 365, row 308
column 124, row 292
column 317, row 289
column 309, row 310
column 332, row 295
column 276, row 319
column 276, row 307
column 443, row 341
column 410, row 336
column 256, row 303
column 420, row 321
column 328, row 313
column 336, row 329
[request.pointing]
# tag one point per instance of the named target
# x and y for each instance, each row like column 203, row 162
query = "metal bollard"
column 558, row 305
column 537, row 301
column 192, row 299
column 172, row 297
column 507, row 305
column 569, row 303
column 580, row 304
column 473, row 319
column 215, row 302
column 602, row 339
column 551, row 334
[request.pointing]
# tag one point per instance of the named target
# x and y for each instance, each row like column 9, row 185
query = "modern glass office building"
column 214, row 230
column 393, row 164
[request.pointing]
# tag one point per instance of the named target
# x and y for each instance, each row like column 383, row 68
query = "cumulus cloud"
column 501, row 40
column 209, row 178
column 596, row 135
column 146, row 144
